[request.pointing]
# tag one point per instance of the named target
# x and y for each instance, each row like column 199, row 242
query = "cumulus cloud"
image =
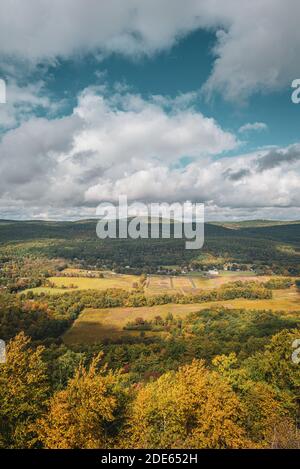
column 256, row 49
column 44, row 30
column 279, row 157
column 30, row 156
column 204, row 181
column 256, row 126
column 56, row 161
column 24, row 101
column 150, row 150
column 256, row 45
column 125, row 127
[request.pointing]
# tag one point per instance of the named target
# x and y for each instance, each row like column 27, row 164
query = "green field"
column 94, row 325
column 69, row 284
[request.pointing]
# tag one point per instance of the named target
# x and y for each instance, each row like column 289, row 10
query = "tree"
column 192, row 408
column 23, row 393
column 83, row 415
column 275, row 365
column 268, row 411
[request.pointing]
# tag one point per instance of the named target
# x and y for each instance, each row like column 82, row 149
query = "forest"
column 272, row 247
column 219, row 375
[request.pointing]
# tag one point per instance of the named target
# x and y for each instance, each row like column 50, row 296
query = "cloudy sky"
column 161, row 100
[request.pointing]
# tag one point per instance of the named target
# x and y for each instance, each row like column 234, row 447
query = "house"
column 214, row 273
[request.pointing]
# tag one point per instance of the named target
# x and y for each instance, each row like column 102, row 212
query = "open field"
column 187, row 284
column 69, row 284
column 85, row 283
column 155, row 284
column 93, row 325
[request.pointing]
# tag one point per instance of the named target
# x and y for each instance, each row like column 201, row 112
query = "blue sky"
column 183, row 69
column 163, row 100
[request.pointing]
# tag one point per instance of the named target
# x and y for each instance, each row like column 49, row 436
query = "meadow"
column 64, row 283
column 187, row 284
column 94, row 325
column 79, row 279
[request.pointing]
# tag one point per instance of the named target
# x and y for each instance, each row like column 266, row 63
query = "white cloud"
column 236, row 182
column 44, row 30
column 256, row 49
column 126, row 127
column 147, row 149
column 56, row 161
column 255, row 126
column 30, row 155
column 22, row 102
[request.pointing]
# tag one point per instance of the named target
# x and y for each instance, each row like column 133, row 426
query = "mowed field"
column 187, row 284
column 94, row 325
column 76, row 279
column 69, row 284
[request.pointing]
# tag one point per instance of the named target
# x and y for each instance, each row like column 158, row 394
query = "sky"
column 160, row 100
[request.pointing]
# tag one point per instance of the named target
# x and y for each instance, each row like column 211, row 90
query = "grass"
column 86, row 283
column 191, row 283
column 155, row 285
column 94, row 325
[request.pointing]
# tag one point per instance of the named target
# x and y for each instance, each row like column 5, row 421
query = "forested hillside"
column 273, row 245
column 99, row 358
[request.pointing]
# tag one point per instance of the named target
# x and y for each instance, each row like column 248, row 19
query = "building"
column 213, row 273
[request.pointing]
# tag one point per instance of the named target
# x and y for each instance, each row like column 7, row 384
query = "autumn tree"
column 86, row 413
column 190, row 408
column 274, row 364
column 23, row 392
column 269, row 411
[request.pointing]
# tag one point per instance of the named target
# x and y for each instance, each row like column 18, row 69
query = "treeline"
column 39, row 320
column 278, row 283
column 18, row 273
column 201, row 335
column 51, row 315
column 72, row 303
column 226, row 330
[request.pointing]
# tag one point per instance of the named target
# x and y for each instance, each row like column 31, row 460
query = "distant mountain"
column 11, row 230
column 254, row 223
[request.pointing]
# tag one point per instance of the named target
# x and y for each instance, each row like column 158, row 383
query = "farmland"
column 94, row 325
column 187, row 284
column 83, row 282
column 147, row 308
column 79, row 279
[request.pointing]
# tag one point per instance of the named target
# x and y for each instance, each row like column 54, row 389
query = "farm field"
column 187, row 284
column 94, row 325
column 155, row 284
column 69, row 284
column 85, row 283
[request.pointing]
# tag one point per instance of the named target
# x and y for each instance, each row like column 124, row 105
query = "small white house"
column 213, row 272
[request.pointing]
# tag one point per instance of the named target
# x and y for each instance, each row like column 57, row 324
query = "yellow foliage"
column 23, row 392
column 79, row 416
column 190, row 408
